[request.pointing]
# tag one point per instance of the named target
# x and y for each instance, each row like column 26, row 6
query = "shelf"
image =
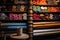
column 44, row 20
column 46, row 5
column 45, row 12
column 11, row 21
column 52, row 27
column 13, row 11
column 14, row 4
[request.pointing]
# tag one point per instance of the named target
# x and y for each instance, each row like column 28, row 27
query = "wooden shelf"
column 13, row 11
column 11, row 21
column 44, row 20
column 14, row 4
column 34, row 28
column 47, row 5
column 46, row 12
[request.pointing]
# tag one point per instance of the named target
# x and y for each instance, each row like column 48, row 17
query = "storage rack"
column 39, row 26
column 6, row 12
column 30, row 13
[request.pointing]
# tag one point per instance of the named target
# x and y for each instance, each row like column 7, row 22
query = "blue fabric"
column 14, row 27
column 14, row 24
column 56, row 16
column 17, row 27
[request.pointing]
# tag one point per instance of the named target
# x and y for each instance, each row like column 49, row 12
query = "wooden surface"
column 23, row 36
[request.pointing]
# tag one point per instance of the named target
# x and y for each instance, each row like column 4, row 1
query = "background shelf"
column 14, row 11
column 46, row 12
column 13, row 21
column 46, row 5
column 45, row 20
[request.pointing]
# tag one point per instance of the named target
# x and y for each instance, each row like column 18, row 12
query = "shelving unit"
column 19, row 11
column 42, row 18
column 36, row 14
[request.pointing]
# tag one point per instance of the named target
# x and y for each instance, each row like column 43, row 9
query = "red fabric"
column 58, row 9
column 15, row 16
column 36, row 17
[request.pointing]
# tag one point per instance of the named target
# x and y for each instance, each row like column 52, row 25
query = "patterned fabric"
column 40, row 2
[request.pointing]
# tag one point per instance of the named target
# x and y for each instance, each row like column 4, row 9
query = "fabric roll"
column 41, row 2
column 52, row 2
column 15, row 16
column 52, row 9
column 25, row 16
column 14, row 8
column 16, row 26
column 12, row 24
column 3, row 16
column 56, row 17
column 38, row 9
column 34, row 2
column 36, row 17
column 34, row 8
